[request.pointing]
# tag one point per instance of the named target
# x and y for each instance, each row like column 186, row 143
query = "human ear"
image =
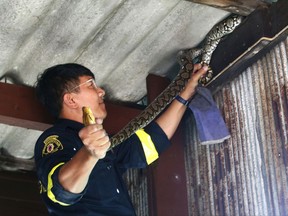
column 68, row 100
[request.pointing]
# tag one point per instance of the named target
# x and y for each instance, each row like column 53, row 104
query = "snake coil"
column 186, row 59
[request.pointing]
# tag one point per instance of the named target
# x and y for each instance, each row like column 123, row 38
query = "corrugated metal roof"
column 121, row 41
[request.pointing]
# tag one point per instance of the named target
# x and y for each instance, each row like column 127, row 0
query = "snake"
column 186, row 59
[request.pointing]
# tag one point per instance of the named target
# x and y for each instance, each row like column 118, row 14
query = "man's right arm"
column 73, row 175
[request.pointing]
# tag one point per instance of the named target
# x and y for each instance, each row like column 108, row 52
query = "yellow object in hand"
column 88, row 117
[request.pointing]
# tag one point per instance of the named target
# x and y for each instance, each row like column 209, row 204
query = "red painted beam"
column 20, row 107
column 167, row 189
column 118, row 116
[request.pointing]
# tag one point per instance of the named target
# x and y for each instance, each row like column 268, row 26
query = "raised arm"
column 170, row 119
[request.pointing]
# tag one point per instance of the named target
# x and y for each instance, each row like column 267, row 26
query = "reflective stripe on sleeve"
column 150, row 151
column 50, row 186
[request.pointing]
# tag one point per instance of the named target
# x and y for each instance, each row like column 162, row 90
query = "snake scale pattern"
column 186, row 59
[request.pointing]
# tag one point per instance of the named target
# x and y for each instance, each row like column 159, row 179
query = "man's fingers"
column 100, row 150
column 196, row 67
column 90, row 129
column 96, row 140
column 105, row 142
column 200, row 72
column 94, row 128
column 102, row 136
column 203, row 70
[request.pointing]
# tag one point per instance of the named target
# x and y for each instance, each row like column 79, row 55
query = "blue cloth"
column 210, row 125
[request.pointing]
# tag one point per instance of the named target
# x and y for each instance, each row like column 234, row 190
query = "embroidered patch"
column 52, row 144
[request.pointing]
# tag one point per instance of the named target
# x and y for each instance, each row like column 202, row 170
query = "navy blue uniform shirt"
column 105, row 193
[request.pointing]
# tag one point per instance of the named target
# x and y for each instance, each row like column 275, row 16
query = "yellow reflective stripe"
column 150, row 151
column 50, row 185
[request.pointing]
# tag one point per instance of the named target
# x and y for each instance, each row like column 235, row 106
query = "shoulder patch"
column 52, row 144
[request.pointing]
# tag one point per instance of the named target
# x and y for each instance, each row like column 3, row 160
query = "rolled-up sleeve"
column 52, row 152
column 154, row 141
column 57, row 193
column 142, row 148
column 158, row 136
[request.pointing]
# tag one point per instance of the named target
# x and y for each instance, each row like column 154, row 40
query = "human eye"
column 91, row 84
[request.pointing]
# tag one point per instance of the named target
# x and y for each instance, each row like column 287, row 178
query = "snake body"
column 186, row 59
column 203, row 53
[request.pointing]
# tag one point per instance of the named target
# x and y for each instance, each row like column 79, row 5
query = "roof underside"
column 121, row 41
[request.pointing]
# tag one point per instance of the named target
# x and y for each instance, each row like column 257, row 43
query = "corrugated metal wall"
column 136, row 180
column 247, row 174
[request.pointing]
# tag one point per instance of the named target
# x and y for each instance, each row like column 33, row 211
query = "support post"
column 167, row 191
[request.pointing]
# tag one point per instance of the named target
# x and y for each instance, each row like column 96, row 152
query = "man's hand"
column 190, row 88
column 95, row 139
column 74, row 175
column 170, row 119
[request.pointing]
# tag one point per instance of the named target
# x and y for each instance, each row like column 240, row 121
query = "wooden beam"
column 259, row 32
column 167, row 189
column 20, row 107
column 242, row 7
column 119, row 115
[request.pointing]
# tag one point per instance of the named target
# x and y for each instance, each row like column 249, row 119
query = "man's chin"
column 99, row 121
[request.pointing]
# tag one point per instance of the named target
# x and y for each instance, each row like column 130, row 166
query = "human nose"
column 101, row 92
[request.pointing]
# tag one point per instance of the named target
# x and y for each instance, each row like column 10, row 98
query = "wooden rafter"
column 242, row 7
column 19, row 107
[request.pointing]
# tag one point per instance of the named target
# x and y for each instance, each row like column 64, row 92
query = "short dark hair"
column 55, row 81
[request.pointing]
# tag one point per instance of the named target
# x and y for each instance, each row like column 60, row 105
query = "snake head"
column 88, row 117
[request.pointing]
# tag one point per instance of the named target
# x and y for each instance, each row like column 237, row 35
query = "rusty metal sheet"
column 247, row 174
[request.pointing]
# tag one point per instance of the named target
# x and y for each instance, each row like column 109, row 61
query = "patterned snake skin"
column 187, row 59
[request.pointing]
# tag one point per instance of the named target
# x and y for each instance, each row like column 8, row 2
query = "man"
column 77, row 175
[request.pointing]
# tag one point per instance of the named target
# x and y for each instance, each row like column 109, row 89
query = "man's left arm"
column 171, row 118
